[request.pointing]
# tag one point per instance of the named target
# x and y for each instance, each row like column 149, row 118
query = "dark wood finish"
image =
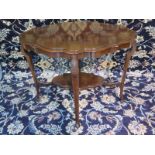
column 76, row 40
column 82, row 38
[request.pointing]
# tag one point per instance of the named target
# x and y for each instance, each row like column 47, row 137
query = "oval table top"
column 78, row 37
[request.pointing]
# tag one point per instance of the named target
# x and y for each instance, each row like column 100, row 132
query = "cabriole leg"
column 75, row 85
column 126, row 65
column 31, row 65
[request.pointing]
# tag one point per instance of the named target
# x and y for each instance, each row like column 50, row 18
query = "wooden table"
column 76, row 40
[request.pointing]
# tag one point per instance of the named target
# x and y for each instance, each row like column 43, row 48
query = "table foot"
column 78, row 125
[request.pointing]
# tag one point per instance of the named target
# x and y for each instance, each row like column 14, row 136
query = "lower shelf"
column 87, row 80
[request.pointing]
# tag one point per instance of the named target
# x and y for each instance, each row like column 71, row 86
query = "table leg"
column 126, row 65
column 75, row 85
column 29, row 60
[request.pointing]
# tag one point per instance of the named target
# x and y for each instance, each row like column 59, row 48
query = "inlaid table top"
column 78, row 37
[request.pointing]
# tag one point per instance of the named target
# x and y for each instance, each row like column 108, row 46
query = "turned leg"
column 29, row 60
column 126, row 65
column 75, row 85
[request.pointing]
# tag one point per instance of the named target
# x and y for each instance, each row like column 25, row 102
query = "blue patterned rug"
column 101, row 111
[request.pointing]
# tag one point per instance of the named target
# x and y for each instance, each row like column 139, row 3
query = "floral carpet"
column 101, row 112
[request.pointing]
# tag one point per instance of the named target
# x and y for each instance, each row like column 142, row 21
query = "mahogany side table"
column 76, row 40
